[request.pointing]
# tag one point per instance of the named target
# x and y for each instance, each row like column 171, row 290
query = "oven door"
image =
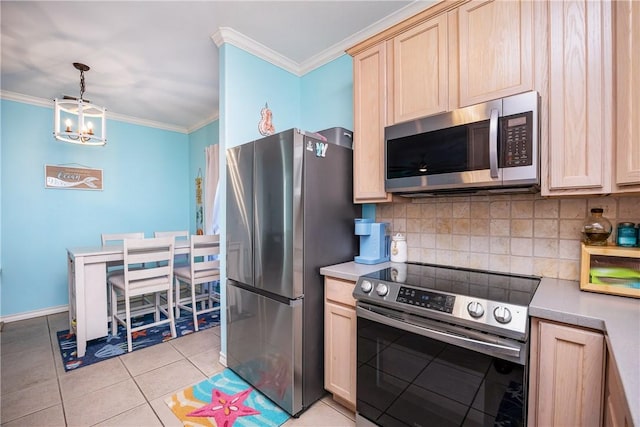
column 418, row 372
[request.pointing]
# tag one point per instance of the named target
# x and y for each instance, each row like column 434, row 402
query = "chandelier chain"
column 81, row 84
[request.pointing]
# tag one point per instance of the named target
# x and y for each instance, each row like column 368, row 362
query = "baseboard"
column 223, row 359
column 32, row 314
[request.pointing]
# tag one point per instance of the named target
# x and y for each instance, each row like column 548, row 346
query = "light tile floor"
column 128, row 390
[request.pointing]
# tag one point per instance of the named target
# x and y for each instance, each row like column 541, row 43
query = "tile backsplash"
column 523, row 234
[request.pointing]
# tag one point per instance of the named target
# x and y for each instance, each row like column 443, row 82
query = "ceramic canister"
column 398, row 248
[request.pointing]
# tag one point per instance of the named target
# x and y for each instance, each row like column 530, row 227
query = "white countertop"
column 351, row 270
column 563, row 301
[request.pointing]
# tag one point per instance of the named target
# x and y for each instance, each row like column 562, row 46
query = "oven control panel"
column 492, row 316
column 426, row 299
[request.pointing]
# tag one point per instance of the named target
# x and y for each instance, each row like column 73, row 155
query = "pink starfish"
column 225, row 408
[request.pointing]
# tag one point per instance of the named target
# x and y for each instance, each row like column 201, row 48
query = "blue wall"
column 146, row 188
column 250, row 82
column 327, row 96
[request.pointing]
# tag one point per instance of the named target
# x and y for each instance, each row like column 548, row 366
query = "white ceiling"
column 156, row 60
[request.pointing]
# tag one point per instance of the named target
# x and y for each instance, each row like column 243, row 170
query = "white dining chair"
column 117, row 239
column 198, row 276
column 182, row 259
column 155, row 276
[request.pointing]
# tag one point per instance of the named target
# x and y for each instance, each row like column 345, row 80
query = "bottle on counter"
column 627, row 234
column 596, row 229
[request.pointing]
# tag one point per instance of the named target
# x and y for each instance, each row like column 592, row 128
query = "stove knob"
column 366, row 286
column 502, row 314
column 382, row 289
column 475, row 309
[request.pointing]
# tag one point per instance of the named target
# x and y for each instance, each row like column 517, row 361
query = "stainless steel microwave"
column 489, row 148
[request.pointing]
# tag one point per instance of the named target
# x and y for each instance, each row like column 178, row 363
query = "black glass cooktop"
column 500, row 287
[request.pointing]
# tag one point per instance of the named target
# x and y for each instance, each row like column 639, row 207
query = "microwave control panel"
column 516, row 140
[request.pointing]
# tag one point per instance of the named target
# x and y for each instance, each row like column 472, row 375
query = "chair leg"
column 127, row 309
column 156, row 315
column 172, row 319
column 194, row 307
column 114, row 310
column 177, row 301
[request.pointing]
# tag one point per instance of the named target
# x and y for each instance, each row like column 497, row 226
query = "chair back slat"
column 178, row 235
column 148, row 262
column 204, row 269
column 118, row 238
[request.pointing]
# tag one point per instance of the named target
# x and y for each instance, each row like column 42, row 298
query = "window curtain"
column 211, row 193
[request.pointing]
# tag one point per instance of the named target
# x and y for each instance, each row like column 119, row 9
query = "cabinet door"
column 340, row 351
column 369, row 105
column 580, row 97
column 616, row 412
column 419, row 77
column 495, row 49
column 627, row 115
column 567, row 376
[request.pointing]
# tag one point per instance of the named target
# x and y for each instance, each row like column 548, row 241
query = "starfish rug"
column 225, row 400
column 116, row 345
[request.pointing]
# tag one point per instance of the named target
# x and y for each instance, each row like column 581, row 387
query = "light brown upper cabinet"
column 579, row 97
column 495, row 49
column 419, row 74
column 627, row 62
column 592, row 123
column 369, row 120
column 452, row 54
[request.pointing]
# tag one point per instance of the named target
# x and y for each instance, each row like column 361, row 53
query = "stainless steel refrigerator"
column 289, row 212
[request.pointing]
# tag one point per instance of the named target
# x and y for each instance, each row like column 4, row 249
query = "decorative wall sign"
column 265, row 126
column 72, row 178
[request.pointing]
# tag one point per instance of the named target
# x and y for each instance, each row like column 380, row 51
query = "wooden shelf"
column 609, row 260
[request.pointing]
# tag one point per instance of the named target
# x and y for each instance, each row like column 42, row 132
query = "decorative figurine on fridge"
column 265, row 126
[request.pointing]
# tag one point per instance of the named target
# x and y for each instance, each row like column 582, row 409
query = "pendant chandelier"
column 78, row 121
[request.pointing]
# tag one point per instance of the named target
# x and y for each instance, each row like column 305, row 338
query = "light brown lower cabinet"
column 616, row 411
column 340, row 341
column 566, row 375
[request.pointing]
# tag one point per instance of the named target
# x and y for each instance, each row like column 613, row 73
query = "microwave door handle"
column 493, row 143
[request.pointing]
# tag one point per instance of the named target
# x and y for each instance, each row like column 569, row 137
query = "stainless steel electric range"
column 442, row 346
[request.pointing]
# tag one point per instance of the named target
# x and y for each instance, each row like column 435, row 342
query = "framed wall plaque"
column 72, row 178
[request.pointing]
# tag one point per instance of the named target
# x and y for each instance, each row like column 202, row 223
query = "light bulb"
column 67, row 123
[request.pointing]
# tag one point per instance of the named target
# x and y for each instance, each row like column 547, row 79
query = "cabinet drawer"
column 340, row 291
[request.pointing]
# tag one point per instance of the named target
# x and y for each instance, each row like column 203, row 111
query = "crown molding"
column 26, row 99
column 231, row 36
column 146, row 122
column 203, row 123
column 339, row 49
column 48, row 103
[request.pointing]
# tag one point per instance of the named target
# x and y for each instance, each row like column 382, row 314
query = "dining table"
column 87, row 281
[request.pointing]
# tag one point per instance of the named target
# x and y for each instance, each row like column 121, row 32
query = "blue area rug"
column 113, row 346
column 225, row 400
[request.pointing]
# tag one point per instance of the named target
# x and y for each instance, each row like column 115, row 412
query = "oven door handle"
column 489, row 348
